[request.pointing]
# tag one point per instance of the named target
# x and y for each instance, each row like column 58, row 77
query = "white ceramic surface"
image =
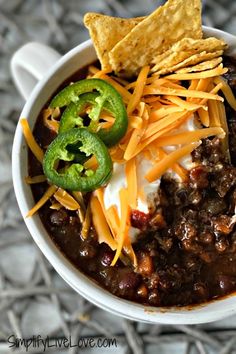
column 29, row 64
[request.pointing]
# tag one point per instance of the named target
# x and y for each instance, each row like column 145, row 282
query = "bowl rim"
column 81, row 283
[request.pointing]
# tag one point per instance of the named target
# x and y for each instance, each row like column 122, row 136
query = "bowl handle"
column 29, row 64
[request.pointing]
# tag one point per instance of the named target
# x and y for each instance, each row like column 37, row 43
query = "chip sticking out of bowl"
column 106, row 32
column 154, row 35
column 188, row 52
column 206, row 65
column 186, row 48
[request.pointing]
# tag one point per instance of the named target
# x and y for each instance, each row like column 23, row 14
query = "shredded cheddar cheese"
column 132, row 187
column 228, row 93
column 47, row 195
column 52, row 124
column 100, row 73
column 133, row 143
column 124, row 223
column 135, row 138
column 177, row 168
column 122, row 90
column 79, row 198
column 203, row 84
column 163, row 112
column 185, row 105
column 155, row 136
column 189, row 137
column 55, row 206
column 93, row 70
column 166, row 163
column 31, row 142
column 223, row 119
column 91, row 163
column 213, row 114
column 35, row 179
column 113, row 221
column 100, row 196
column 182, row 93
column 172, row 85
column 112, row 216
column 82, row 210
column 66, row 200
column 193, row 85
column 135, row 122
column 163, row 123
column 204, row 117
column 138, row 91
column 86, row 224
column 224, row 125
column 100, row 224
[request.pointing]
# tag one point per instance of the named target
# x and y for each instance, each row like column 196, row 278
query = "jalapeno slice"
column 101, row 95
column 73, row 176
column 71, row 117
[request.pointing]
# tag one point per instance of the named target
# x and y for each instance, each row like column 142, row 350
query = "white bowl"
column 28, row 65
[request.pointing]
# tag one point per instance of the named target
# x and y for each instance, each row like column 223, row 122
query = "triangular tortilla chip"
column 106, row 32
column 175, row 20
column 191, row 60
column 184, row 49
column 206, row 65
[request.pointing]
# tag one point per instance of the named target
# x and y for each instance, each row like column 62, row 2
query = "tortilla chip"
column 106, row 32
column 167, row 25
column 206, row 65
column 192, row 60
column 184, row 49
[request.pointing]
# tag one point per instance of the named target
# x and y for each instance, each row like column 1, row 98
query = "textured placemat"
column 33, row 298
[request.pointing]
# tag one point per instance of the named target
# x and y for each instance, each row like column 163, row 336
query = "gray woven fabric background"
column 33, row 298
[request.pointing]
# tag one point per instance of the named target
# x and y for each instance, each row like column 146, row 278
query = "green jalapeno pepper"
column 75, row 177
column 71, row 116
column 102, row 95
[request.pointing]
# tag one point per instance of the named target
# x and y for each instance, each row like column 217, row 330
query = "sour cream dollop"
column 146, row 190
